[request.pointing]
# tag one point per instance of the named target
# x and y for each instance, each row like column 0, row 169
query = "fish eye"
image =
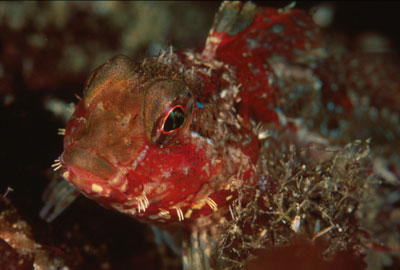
column 167, row 110
column 174, row 119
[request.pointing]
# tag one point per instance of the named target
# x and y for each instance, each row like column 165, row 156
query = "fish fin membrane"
column 234, row 17
column 58, row 195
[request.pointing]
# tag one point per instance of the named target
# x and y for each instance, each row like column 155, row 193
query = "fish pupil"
column 175, row 119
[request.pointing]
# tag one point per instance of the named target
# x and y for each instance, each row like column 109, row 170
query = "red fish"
column 169, row 140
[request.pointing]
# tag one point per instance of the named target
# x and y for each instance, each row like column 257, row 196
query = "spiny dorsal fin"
column 231, row 19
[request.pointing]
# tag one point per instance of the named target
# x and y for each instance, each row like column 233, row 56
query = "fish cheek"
column 188, row 173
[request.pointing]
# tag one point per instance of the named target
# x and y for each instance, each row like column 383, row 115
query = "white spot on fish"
column 96, row 188
column 140, row 157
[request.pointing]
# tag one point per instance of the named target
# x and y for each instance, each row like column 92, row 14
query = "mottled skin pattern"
column 111, row 153
column 259, row 67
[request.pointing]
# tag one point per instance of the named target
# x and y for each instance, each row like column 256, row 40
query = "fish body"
column 120, row 152
column 172, row 139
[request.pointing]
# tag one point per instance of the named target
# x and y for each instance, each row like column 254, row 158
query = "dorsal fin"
column 231, row 18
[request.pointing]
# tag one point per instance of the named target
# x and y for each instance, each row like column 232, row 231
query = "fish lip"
column 94, row 186
column 86, row 164
column 104, row 192
column 82, row 179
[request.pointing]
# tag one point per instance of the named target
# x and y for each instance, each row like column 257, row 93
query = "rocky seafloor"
column 47, row 50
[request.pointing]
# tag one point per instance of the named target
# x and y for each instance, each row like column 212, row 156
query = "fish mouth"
column 86, row 170
column 110, row 193
column 90, row 185
column 87, row 164
column 97, row 178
